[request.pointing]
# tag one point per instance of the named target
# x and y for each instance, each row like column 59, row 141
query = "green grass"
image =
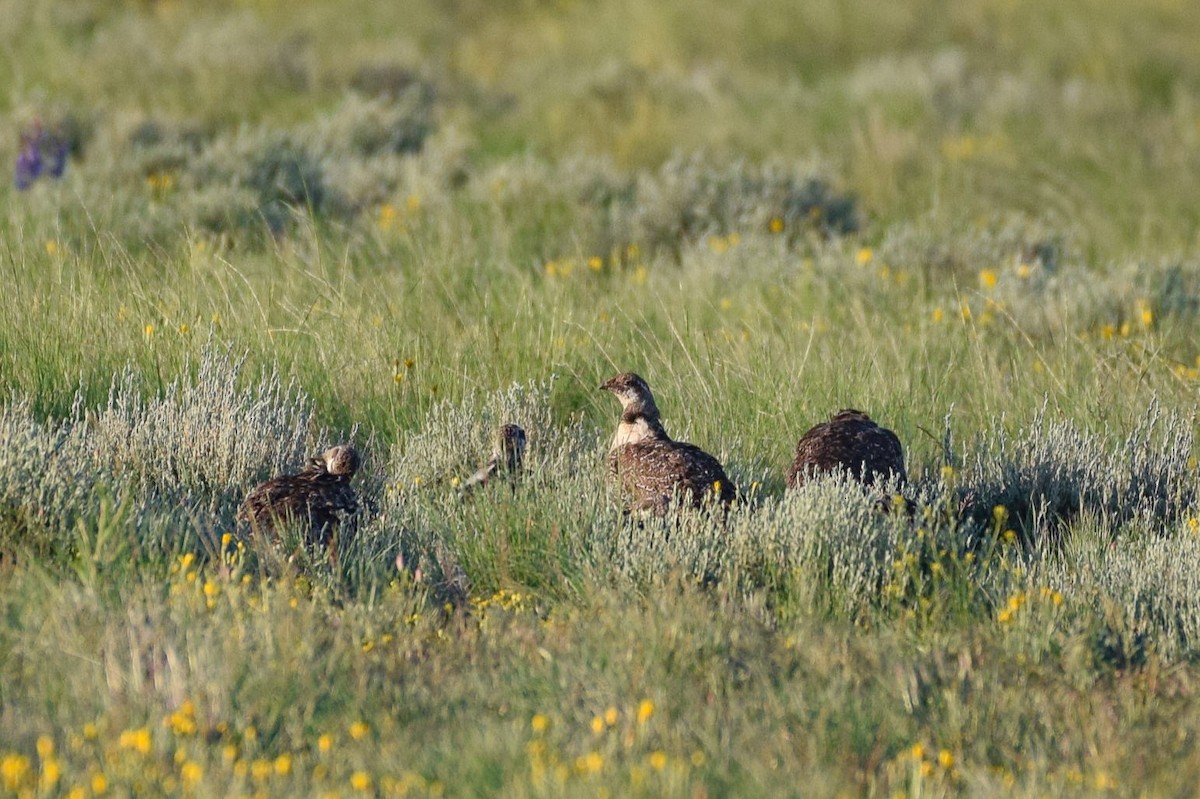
column 286, row 225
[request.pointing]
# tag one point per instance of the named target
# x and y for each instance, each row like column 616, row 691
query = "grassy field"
column 283, row 225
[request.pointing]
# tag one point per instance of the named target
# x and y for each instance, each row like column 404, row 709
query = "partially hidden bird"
column 652, row 467
column 849, row 442
column 508, row 456
column 317, row 499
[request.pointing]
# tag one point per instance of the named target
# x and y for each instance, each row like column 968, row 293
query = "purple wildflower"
column 57, row 162
column 40, row 154
column 29, row 162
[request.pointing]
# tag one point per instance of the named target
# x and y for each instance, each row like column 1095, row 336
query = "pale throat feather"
column 632, row 432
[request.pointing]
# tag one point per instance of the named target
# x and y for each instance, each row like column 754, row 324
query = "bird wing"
column 280, row 496
column 850, row 442
column 653, row 471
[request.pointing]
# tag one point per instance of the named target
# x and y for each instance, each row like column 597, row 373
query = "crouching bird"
column 849, row 442
column 316, row 499
column 507, row 458
column 649, row 464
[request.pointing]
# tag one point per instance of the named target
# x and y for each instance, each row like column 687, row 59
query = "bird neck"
column 637, row 427
column 638, row 405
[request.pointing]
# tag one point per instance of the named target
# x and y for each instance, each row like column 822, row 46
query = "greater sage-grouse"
column 507, row 457
column 651, row 466
column 848, row 442
column 316, row 499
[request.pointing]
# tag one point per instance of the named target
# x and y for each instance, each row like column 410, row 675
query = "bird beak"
column 606, row 385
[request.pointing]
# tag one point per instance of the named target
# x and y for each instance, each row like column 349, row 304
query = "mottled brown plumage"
column 650, row 465
column 316, row 498
column 507, row 457
column 848, row 442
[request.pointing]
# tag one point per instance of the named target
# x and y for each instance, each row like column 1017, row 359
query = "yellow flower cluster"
column 722, row 244
column 183, row 720
column 619, row 739
column 394, row 218
column 1141, row 319
column 919, row 764
column 1017, row 601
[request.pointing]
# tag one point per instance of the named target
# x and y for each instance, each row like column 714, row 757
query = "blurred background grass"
column 975, row 217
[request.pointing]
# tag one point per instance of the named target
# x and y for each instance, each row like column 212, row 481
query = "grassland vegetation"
column 242, row 231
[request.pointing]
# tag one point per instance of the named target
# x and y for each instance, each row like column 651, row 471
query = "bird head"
column 341, row 460
column 633, row 393
column 510, row 446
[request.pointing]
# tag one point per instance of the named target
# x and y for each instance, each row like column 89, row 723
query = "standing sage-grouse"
column 649, row 464
column 316, row 499
column 507, row 457
column 848, row 442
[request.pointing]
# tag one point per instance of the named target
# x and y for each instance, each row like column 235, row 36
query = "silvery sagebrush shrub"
column 187, row 452
column 1049, row 471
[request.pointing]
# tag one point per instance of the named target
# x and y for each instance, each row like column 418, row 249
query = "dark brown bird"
column 316, row 498
column 848, row 442
column 649, row 464
column 507, row 456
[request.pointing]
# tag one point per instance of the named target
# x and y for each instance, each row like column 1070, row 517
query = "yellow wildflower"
column 988, row 278
column 946, row 758
column 45, row 746
column 50, row 773
column 645, row 711
column 775, row 225
column 191, row 772
column 658, row 760
column 864, row 256
column 611, row 716
column 589, row 763
column 13, row 768
column 360, row 781
column 387, row 216
column 539, row 723
column 137, row 740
